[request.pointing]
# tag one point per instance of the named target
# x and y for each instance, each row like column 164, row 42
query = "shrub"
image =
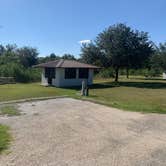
column 105, row 73
column 155, row 72
column 19, row 73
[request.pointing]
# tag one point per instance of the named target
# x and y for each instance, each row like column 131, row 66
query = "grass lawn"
column 23, row 91
column 134, row 94
column 4, row 138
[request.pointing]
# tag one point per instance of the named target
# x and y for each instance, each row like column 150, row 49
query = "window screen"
column 83, row 73
column 50, row 72
column 70, row 73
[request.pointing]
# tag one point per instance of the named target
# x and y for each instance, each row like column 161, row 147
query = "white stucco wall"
column 164, row 75
column 44, row 81
column 60, row 80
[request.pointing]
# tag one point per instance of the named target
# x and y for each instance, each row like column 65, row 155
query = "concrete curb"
column 32, row 99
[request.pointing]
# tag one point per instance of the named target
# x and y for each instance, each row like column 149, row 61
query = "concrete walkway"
column 69, row 132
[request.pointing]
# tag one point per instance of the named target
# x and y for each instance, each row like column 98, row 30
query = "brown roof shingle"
column 62, row 63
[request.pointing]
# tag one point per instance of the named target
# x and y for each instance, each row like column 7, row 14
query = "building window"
column 50, row 72
column 83, row 73
column 70, row 73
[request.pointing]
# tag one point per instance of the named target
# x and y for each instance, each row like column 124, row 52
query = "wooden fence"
column 6, row 80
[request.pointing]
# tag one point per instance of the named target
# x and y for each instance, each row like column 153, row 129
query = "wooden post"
column 83, row 88
column 87, row 91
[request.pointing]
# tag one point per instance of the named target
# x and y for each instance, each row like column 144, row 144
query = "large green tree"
column 124, row 47
column 162, row 52
column 52, row 57
column 68, row 57
column 92, row 54
column 28, row 56
column 15, row 62
column 48, row 58
column 158, row 59
column 2, row 49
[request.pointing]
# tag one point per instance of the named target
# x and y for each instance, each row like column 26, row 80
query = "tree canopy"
column 121, row 47
column 158, row 59
column 118, row 47
column 91, row 54
column 17, row 62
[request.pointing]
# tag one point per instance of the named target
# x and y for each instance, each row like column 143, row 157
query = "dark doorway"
column 50, row 74
column 49, row 81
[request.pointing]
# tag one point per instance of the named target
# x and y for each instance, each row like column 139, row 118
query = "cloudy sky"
column 61, row 26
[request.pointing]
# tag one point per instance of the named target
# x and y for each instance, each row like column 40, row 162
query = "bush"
column 105, row 73
column 27, row 75
column 122, row 72
column 155, row 72
column 19, row 73
column 146, row 72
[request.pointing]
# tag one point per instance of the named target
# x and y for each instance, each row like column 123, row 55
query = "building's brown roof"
column 62, row 63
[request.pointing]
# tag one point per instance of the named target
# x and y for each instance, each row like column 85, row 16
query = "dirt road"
column 69, row 132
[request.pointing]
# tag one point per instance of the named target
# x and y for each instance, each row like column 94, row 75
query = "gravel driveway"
column 69, row 132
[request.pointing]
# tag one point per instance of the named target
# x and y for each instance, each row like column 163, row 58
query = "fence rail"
column 7, row 80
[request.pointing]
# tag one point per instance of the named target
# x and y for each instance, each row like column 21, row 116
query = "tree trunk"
column 116, row 74
column 127, row 73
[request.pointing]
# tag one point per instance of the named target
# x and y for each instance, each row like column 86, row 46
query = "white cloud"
column 84, row 42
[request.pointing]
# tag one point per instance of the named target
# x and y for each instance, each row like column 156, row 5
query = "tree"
column 91, row 54
column 28, row 56
column 2, row 50
column 11, row 48
column 139, row 51
column 51, row 57
column 14, row 62
column 155, row 65
column 158, row 59
column 68, row 57
column 124, row 47
column 162, row 52
column 8, row 54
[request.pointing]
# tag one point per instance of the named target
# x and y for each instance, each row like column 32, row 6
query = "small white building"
column 164, row 75
column 65, row 73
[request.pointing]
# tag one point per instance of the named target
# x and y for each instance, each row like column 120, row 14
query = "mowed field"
column 134, row 94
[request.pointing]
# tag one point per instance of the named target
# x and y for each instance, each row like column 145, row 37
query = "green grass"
column 5, row 138
column 9, row 111
column 134, row 94
column 31, row 90
column 148, row 96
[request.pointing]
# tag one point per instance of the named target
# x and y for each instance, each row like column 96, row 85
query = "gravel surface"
column 69, row 132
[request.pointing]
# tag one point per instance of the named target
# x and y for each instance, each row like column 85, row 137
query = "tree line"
column 17, row 62
column 118, row 48
column 122, row 48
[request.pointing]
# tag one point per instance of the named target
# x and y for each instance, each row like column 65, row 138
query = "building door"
column 50, row 74
column 49, row 80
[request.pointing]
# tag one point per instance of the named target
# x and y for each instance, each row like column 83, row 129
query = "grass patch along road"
column 4, row 138
column 31, row 90
column 9, row 111
column 135, row 94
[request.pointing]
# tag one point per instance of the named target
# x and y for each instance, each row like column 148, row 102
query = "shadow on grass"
column 142, row 84
column 96, row 86
column 150, row 85
column 147, row 78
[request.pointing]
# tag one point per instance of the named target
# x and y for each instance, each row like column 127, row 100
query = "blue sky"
column 58, row 25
